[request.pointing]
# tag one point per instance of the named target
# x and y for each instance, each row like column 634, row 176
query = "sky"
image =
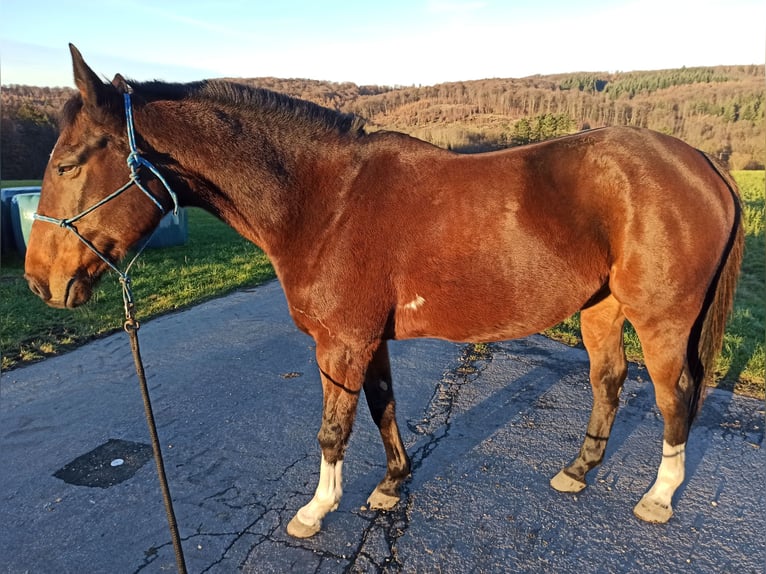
column 382, row 42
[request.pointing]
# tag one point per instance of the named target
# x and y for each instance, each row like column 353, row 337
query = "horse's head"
column 87, row 164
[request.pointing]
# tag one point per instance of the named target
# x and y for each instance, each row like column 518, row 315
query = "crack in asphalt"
column 435, row 426
column 265, row 508
column 431, row 430
column 224, row 497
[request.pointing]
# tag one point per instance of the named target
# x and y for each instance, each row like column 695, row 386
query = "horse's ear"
column 94, row 92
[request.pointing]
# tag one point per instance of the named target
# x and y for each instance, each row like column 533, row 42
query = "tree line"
column 28, row 128
column 717, row 109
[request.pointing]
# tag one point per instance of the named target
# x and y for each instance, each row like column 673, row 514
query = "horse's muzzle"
column 76, row 292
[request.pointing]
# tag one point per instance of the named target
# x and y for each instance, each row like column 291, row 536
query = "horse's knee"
column 330, row 439
column 337, row 422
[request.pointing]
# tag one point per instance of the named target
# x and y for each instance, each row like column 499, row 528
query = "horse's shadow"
column 538, row 388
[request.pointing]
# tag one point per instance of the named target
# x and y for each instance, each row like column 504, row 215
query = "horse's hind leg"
column 602, row 328
column 664, row 353
column 380, row 398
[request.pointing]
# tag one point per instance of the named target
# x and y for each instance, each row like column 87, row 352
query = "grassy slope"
column 215, row 261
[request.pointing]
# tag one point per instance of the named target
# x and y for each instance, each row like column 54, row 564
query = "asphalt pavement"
column 237, row 399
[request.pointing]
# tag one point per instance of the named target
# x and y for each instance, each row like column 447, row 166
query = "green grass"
column 20, row 182
column 216, row 261
column 741, row 365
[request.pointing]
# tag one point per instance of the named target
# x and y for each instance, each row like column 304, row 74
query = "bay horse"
column 379, row 236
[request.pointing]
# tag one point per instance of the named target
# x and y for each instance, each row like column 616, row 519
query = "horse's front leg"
column 342, row 372
column 378, row 389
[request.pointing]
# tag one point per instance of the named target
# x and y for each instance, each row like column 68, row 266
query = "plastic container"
column 23, row 207
column 172, row 230
column 7, row 240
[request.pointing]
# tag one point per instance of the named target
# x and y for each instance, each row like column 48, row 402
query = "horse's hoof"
column 298, row 529
column 565, row 483
column 650, row 510
column 381, row 501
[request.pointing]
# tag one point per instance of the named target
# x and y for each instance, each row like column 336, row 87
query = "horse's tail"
column 706, row 337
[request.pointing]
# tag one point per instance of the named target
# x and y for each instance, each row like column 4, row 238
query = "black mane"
column 245, row 99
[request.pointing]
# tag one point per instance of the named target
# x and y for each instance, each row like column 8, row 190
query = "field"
column 216, row 261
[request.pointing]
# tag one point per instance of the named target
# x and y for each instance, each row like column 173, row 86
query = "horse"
column 376, row 236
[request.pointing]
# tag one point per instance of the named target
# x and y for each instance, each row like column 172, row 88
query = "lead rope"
column 135, row 161
column 131, row 327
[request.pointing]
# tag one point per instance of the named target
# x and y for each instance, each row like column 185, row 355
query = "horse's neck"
column 269, row 185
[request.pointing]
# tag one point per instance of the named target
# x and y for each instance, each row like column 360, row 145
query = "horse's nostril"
column 38, row 288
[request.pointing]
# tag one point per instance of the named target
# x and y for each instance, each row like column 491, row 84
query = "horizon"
column 404, row 44
column 406, row 86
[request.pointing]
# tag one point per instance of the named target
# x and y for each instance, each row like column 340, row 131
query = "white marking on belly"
column 416, row 303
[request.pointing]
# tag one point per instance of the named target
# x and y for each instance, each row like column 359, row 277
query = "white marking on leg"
column 656, row 505
column 670, row 475
column 327, row 495
column 415, row 304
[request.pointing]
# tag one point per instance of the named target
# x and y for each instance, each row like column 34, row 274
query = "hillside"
column 719, row 110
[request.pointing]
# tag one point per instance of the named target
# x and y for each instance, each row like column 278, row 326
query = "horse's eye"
column 62, row 169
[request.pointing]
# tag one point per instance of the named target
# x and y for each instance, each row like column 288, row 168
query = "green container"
column 172, row 230
column 7, row 240
column 23, row 208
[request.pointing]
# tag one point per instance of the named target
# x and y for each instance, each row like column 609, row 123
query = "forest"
column 719, row 110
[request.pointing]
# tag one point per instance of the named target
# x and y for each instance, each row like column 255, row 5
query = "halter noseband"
column 135, row 161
